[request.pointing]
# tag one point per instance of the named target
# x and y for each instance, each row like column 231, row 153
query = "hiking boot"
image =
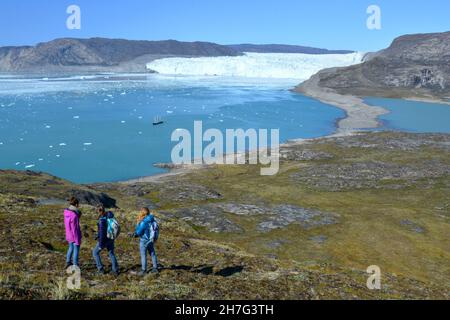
column 68, row 265
column 116, row 273
column 142, row 273
column 155, row 271
column 101, row 272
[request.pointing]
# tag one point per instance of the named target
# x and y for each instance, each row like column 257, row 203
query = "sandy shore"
column 160, row 177
column 359, row 115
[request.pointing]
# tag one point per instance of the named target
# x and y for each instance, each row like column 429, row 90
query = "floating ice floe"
column 76, row 117
column 30, row 166
column 47, row 127
column 58, row 156
column 87, row 144
column 40, row 159
column 123, row 121
column 63, row 144
column 51, row 147
column 169, row 112
column 17, row 163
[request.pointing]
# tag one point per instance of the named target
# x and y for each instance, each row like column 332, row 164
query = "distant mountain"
column 100, row 54
column 283, row 48
column 413, row 66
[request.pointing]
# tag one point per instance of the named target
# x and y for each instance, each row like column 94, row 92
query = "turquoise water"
column 101, row 129
column 412, row 116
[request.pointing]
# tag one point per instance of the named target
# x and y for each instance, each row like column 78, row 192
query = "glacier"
column 255, row 65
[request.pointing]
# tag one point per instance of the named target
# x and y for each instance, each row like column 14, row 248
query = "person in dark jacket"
column 104, row 242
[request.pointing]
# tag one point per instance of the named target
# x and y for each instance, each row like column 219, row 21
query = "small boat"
column 157, row 121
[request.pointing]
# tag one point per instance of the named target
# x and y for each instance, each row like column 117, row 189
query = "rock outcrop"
column 414, row 66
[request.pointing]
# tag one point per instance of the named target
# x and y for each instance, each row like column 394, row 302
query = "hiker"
column 73, row 231
column 108, row 231
column 147, row 229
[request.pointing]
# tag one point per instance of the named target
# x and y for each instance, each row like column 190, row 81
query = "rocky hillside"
column 337, row 206
column 99, row 54
column 283, row 48
column 416, row 66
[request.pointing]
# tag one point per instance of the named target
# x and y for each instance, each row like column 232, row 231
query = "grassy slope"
column 202, row 264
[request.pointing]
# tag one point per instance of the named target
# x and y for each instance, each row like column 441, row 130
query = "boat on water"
column 157, row 121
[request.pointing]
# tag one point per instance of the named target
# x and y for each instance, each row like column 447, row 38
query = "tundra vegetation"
column 337, row 206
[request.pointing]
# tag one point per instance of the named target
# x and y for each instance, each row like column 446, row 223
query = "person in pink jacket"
column 73, row 231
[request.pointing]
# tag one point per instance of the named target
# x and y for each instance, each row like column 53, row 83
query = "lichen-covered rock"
column 284, row 215
column 369, row 174
column 243, row 209
column 393, row 141
column 299, row 154
column 209, row 216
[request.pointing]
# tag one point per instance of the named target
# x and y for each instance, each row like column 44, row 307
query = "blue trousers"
column 98, row 261
column 72, row 254
column 147, row 246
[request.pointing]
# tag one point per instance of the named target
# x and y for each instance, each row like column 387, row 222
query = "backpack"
column 113, row 230
column 154, row 231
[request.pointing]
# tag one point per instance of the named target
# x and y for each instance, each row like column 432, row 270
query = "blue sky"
column 333, row 24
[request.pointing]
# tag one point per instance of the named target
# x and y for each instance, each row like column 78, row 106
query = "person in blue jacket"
column 143, row 231
column 104, row 242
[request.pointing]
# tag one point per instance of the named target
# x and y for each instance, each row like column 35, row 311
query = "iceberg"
column 255, row 65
